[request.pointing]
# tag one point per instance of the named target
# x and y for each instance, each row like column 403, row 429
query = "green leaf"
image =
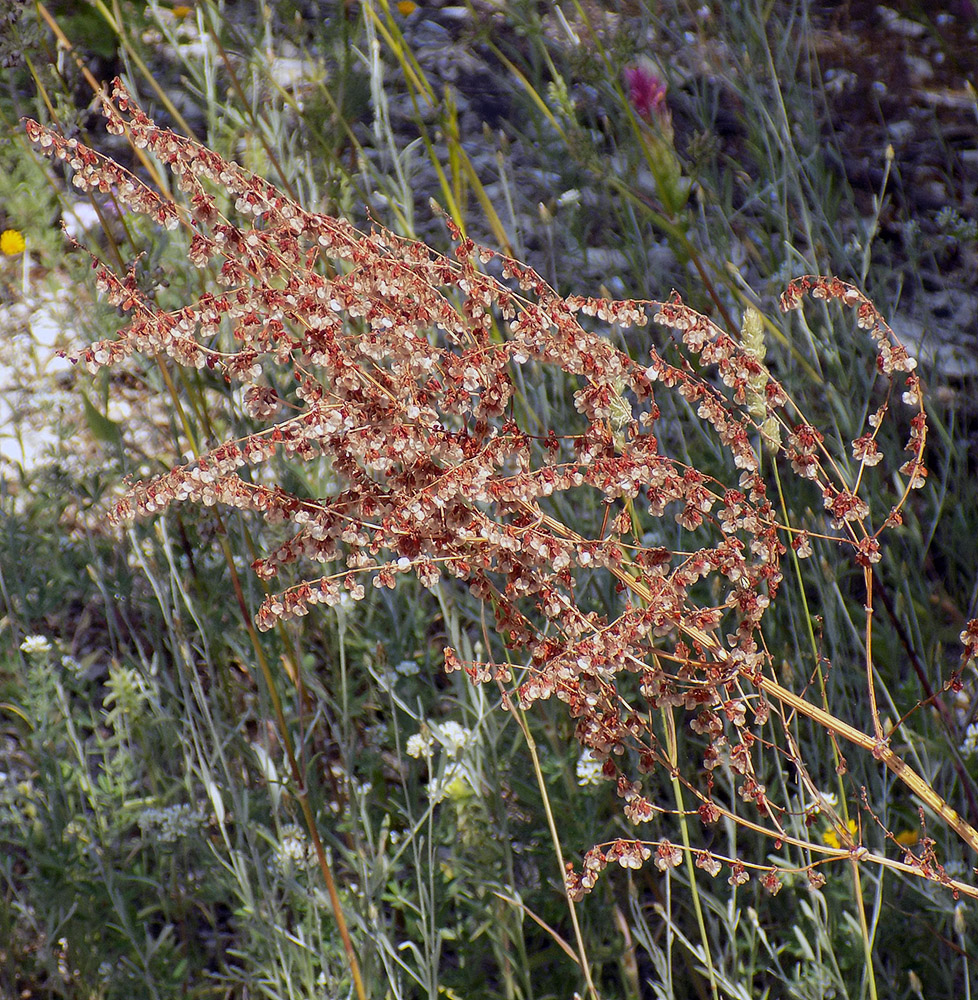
column 102, row 428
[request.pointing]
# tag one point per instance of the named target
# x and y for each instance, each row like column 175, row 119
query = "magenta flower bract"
column 646, row 92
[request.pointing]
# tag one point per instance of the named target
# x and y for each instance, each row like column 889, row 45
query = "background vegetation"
column 150, row 837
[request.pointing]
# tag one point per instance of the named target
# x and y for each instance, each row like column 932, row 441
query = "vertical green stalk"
column 520, row 716
column 672, row 749
column 870, row 972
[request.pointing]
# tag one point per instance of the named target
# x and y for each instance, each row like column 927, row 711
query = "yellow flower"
column 406, row 7
column 181, row 11
column 907, row 838
column 831, row 837
column 12, row 242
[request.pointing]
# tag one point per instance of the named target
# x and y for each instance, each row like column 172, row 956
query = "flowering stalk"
column 399, row 368
column 652, row 124
column 647, row 97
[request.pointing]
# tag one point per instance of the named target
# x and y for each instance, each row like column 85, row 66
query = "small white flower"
column 35, row 644
column 588, row 770
column 408, row 668
column 419, row 745
column 73, row 667
column 292, row 851
column 453, row 737
column 171, row 823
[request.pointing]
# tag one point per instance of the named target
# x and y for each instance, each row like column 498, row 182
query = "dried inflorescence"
column 403, row 365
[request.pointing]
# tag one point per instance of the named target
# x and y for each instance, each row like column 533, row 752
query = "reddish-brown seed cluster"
column 399, row 366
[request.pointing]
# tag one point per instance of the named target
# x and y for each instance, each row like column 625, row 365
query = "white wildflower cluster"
column 454, row 738
column 293, row 852
column 453, row 780
column 588, row 770
column 970, row 742
column 406, row 668
column 171, row 823
column 73, row 667
column 35, row 645
column 419, row 745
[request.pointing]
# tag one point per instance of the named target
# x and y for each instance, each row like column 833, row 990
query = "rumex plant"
column 623, row 580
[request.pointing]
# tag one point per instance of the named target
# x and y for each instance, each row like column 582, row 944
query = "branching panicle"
column 403, row 366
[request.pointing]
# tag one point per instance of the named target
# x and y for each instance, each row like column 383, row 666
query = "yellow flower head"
column 405, row 7
column 831, row 837
column 12, row 242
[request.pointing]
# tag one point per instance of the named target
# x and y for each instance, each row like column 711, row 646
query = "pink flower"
column 646, row 92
